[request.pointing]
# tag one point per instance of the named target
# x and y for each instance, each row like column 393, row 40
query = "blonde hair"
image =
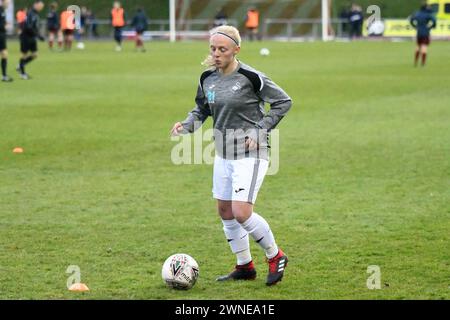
column 229, row 31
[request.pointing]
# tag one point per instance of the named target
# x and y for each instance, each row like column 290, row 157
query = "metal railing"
column 302, row 28
column 157, row 29
column 285, row 29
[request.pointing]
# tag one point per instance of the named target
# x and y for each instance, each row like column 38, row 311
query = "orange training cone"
column 18, row 150
column 78, row 287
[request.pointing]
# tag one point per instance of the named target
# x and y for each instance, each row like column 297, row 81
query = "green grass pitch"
column 364, row 175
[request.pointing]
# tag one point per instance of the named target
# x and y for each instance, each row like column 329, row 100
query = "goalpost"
column 325, row 19
column 173, row 34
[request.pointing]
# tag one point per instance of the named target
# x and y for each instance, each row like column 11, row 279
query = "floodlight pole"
column 172, row 21
column 325, row 20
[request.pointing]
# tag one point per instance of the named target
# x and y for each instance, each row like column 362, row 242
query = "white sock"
column 237, row 237
column 259, row 229
column 243, row 257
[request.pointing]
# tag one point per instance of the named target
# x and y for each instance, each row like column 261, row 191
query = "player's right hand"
column 177, row 128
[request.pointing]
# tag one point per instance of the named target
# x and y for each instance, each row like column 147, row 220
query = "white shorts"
column 238, row 180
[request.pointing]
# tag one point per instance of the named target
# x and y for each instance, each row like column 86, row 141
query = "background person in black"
column 3, row 50
column 53, row 26
column 220, row 19
column 140, row 24
column 91, row 21
column 28, row 43
column 344, row 16
column 356, row 19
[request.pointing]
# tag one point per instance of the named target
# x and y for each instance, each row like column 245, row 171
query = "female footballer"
column 234, row 95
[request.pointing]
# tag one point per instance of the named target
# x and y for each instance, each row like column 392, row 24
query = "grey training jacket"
column 236, row 104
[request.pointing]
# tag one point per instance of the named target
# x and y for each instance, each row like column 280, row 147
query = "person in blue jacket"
column 423, row 21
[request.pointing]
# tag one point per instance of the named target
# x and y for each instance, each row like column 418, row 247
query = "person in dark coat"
column 140, row 25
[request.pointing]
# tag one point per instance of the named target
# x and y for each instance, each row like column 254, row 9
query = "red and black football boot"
column 243, row 272
column 276, row 268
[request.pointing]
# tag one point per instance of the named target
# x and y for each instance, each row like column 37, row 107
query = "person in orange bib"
column 118, row 22
column 252, row 23
column 67, row 28
column 21, row 16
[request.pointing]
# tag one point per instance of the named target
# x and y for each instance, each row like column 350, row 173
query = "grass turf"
column 363, row 180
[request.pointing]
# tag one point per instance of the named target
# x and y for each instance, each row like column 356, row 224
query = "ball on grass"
column 264, row 52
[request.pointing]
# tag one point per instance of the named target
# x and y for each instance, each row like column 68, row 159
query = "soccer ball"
column 80, row 45
column 376, row 28
column 180, row 271
column 264, row 52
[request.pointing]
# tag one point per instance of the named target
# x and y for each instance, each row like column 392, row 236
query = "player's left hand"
column 176, row 129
